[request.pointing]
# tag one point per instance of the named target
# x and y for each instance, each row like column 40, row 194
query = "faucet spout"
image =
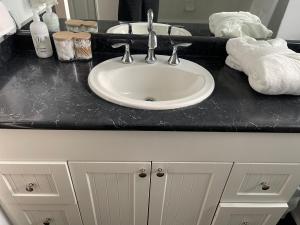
column 152, row 39
column 150, row 16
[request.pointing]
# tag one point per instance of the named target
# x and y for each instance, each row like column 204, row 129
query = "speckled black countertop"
column 48, row 94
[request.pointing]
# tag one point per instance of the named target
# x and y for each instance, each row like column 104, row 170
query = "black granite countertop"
column 48, row 94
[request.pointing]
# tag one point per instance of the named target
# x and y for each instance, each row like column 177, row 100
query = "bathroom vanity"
column 139, row 177
column 68, row 157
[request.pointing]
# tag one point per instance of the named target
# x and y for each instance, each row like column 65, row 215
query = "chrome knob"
column 143, row 173
column 160, row 172
column 245, row 223
column 47, row 221
column 265, row 186
column 30, row 187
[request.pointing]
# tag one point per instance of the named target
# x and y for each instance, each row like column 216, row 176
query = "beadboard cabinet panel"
column 112, row 193
column 186, row 193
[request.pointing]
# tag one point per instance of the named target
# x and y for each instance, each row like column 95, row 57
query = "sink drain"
column 150, row 99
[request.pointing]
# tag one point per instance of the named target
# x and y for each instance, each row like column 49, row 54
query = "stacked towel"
column 7, row 24
column 272, row 68
column 238, row 24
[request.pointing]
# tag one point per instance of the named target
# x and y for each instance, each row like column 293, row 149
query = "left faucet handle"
column 127, row 58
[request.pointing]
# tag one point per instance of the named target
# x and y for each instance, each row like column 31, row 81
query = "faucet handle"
column 129, row 26
column 174, row 60
column 127, row 58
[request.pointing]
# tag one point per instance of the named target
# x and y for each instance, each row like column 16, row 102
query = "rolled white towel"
column 238, row 24
column 7, row 24
column 272, row 68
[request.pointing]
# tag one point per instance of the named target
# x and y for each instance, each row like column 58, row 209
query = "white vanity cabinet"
column 118, row 193
column 147, row 178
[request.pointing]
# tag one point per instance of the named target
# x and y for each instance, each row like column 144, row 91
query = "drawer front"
column 255, row 182
column 36, row 183
column 44, row 215
column 249, row 213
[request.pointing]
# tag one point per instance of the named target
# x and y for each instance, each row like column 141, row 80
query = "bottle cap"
column 36, row 17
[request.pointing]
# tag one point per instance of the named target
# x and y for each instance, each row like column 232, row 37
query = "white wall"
column 107, row 9
column 197, row 11
column 264, row 9
column 20, row 10
column 290, row 25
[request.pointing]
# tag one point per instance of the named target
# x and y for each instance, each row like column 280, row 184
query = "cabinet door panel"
column 44, row 214
column 36, row 183
column 112, row 193
column 262, row 182
column 188, row 193
column 249, row 213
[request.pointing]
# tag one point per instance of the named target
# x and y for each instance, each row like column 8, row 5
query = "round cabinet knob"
column 245, row 223
column 265, row 186
column 160, row 172
column 30, row 187
column 47, row 221
column 142, row 173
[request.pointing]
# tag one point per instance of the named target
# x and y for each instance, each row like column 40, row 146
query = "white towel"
column 7, row 24
column 238, row 24
column 272, row 68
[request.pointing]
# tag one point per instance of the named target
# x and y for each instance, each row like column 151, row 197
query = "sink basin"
column 156, row 86
column 141, row 28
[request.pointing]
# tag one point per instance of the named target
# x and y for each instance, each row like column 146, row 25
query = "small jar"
column 73, row 25
column 83, row 49
column 90, row 26
column 64, row 45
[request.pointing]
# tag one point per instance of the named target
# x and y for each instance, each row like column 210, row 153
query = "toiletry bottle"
column 40, row 37
column 51, row 20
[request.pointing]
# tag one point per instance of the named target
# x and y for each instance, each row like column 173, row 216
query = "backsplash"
column 6, row 50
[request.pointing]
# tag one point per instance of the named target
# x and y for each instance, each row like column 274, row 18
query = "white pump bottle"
column 40, row 37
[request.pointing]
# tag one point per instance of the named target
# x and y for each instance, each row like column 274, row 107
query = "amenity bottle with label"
column 40, row 37
column 51, row 20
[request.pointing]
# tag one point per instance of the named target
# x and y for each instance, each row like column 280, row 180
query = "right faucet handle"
column 174, row 59
column 127, row 58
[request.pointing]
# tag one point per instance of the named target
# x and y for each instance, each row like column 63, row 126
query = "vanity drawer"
column 249, row 213
column 259, row 182
column 44, row 215
column 36, row 183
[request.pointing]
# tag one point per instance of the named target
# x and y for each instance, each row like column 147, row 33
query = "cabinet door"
column 36, row 183
column 186, row 193
column 112, row 193
column 262, row 182
column 44, row 214
column 249, row 213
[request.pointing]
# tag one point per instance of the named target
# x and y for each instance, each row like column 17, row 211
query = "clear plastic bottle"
column 40, row 37
column 51, row 20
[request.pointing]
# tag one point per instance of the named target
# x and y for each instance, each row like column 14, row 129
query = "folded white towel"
column 7, row 24
column 272, row 68
column 238, row 24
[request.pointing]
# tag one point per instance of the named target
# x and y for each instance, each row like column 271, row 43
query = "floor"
column 288, row 220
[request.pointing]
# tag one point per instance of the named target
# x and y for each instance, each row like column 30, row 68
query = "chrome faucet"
column 152, row 39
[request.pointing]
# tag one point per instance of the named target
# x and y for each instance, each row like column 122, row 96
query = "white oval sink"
column 141, row 28
column 156, row 86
